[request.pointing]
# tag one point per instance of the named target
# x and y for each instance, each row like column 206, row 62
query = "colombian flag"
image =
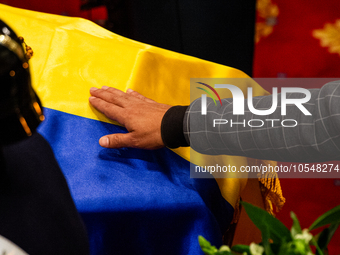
column 132, row 201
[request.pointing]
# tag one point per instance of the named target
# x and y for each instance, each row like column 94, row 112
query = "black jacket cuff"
column 172, row 127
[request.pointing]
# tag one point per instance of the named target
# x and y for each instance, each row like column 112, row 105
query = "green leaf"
column 208, row 251
column 265, row 240
column 223, row 253
column 330, row 217
column 296, row 228
column 263, row 220
column 240, row 248
column 318, row 250
column 326, row 236
column 206, row 247
column 274, row 247
column 283, row 248
column 203, row 242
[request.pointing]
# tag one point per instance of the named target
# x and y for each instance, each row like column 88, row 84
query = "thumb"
column 116, row 141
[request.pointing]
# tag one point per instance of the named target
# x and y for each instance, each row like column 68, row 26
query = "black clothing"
column 37, row 212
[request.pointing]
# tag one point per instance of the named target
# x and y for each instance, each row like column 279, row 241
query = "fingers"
column 112, row 111
column 111, row 95
column 118, row 97
column 140, row 115
column 116, row 141
column 139, row 96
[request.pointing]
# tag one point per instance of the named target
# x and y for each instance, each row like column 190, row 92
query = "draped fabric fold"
column 128, row 198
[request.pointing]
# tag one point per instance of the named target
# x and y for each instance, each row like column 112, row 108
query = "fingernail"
column 93, row 89
column 105, row 87
column 90, row 98
column 104, row 141
column 129, row 90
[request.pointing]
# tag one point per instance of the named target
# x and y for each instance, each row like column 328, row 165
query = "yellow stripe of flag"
column 73, row 54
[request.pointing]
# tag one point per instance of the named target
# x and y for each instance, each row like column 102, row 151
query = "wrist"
column 172, row 127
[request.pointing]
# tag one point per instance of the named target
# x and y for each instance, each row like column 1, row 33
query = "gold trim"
column 24, row 125
column 38, row 111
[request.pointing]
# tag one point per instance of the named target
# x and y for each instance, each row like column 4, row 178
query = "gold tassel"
column 271, row 188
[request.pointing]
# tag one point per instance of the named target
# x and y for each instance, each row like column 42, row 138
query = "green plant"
column 277, row 239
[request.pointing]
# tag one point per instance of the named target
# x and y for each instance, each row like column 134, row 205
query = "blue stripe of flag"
column 114, row 189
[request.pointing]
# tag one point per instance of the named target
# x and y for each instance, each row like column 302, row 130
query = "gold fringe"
column 271, row 188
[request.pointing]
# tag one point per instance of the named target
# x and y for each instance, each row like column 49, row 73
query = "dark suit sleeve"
column 37, row 211
column 316, row 138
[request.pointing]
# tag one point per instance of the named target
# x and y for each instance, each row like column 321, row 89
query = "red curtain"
column 301, row 38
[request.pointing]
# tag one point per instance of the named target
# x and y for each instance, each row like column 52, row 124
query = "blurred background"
column 299, row 38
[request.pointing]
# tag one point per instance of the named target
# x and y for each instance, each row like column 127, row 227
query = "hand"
column 141, row 116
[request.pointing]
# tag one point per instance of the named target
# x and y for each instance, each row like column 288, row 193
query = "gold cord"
column 28, row 49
